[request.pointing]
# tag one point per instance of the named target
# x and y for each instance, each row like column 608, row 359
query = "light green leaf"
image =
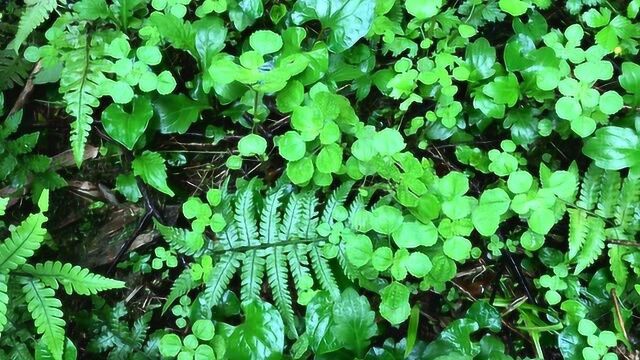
column 151, row 169
column 395, row 303
column 265, row 42
column 252, row 144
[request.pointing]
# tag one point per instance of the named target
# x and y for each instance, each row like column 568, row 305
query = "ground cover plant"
column 319, row 179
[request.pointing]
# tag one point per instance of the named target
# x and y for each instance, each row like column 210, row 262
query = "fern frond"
column 270, row 219
column 180, row 287
column 308, row 216
column 36, row 13
column 617, row 265
column 593, row 244
column 79, row 85
column 13, row 69
column 46, row 312
column 251, row 275
column 181, row 240
column 291, row 219
column 220, row 278
column 229, row 237
column 347, row 267
column 577, row 231
column 277, row 277
column 323, row 272
column 73, row 278
column 609, row 194
column 4, row 300
column 246, row 219
column 337, row 198
column 299, row 265
column 24, row 241
column 590, row 188
column 627, row 203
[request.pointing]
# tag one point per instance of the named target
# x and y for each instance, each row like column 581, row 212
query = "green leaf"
column 457, row 248
column 514, row 7
column 126, row 128
column 611, row 102
column 73, row 278
column 413, row 234
column 386, row 219
column 422, row 9
column 149, row 55
column 203, row 329
column 568, row 108
column 614, row 148
column 252, row 144
column 46, row 314
column 395, row 303
column 177, row 113
column 354, row 322
column 329, row 159
column 265, row 42
column 291, row 146
column 503, row 90
column 542, row 220
column 300, row 171
column 485, row 315
column 244, row 13
column 170, row 345
column 260, row 336
column 347, row 20
column 25, row 239
column 150, row 167
column 519, row 182
column 359, row 249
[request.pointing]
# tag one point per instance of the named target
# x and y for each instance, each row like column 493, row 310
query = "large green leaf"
column 126, row 128
column 354, row 322
column 260, row 337
column 177, row 113
column 347, row 20
column 614, row 148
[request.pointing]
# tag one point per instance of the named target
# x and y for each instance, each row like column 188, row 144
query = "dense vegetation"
column 319, row 179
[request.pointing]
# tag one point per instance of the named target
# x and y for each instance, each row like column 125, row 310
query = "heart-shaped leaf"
column 126, row 128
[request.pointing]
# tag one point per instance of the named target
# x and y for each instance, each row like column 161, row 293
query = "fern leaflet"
column 180, row 287
column 46, row 314
column 22, row 243
column 593, row 244
column 73, row 278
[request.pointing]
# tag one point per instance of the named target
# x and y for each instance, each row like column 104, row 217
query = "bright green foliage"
column 34, row 14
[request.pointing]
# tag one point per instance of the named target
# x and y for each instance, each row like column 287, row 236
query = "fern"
column 610, row 189
column 593, row 244
column 73, row 278
column 577, row 231
column 590, row 189
column 279, row 240
column 4, row 300
column 181, row 240
column 46, row 312
column 13, row 69
column 36, row 12
column 23, row 242
column 627, row 203
column 39, row 282
column 180, row 287
column 79, row 85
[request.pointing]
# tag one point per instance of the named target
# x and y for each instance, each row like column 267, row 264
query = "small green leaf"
column 150, row 167
column 395, row 303
column 457, row 248
column 252, row 144
column 568, row 108
column 423, row 9
column 265, row 42
column 611, row 102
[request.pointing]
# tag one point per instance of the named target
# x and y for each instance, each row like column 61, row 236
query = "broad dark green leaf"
column 177, row 113
column 346, row 20
column 614, row 148
column 260, row 336
column 126, row 128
